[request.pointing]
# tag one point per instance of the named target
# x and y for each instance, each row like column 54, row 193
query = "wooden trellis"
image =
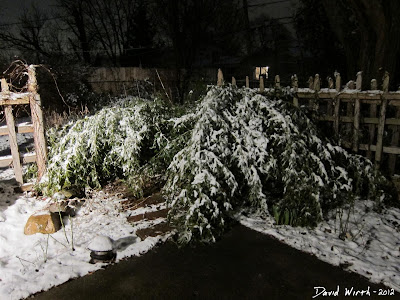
column 343, row 109
column 8, row 100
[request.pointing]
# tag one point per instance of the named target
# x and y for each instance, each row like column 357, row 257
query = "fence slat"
column 381, row 125
column 381, row 129
column 247, row 82
column 12, row 136
column 336, row 116
column 356, row 132
column 372, row 127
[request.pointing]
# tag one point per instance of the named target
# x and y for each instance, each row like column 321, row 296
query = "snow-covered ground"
column 371, row 246
column 32, row 263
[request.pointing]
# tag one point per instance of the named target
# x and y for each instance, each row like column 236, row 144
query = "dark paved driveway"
column 243, row 265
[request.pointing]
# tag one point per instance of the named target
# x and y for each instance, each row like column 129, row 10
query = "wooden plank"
column 20, row 128
column 356, row 124
column 8, row 111
column 393, row 98
column 375, row 121
column 5, row 161
column 394, row 102
column 24, row 100
column 381, row 129
column 13, row 143
column 388, row 150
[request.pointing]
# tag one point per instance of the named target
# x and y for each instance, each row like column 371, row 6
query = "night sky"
column 10, row 9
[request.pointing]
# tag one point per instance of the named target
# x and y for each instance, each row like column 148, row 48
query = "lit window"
column 261, row 71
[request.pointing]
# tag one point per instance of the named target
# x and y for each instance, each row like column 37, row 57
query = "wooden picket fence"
column 367, row 122
column 8, row 100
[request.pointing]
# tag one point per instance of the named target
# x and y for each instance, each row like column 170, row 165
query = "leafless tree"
column 30, row 34
column 374, row 25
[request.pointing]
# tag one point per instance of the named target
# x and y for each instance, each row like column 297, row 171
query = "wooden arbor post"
column 37, row 122
column 12, row 136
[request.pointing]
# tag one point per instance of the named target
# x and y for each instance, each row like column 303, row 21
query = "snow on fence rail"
column 8, row 100
column 367, row 122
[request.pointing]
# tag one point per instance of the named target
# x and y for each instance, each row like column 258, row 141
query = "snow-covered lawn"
column 371, row 248
column 32, row 263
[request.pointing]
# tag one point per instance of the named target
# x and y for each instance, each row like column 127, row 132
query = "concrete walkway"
column 244, row 265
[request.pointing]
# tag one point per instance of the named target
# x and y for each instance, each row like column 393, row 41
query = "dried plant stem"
column 72, row 233
column 62, row 223
column 162, row 84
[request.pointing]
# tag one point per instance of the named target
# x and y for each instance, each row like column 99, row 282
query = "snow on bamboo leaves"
column 248, row 150
column 234, row 149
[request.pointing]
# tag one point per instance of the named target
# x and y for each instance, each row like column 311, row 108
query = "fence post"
column 317, row 83
column 338, row 81
column 374, row 84
column 295, row 86
column 330, row 82
column 330, row 87
column 385, row 84
column 356, row 123
column 277, row 82
column 336, row 104
column 233, row 81
column 220, row 78
column 261, row 84
column 359, row 81
column 381, row 125
column 350, row 105
column 12, row 136
column 372, row 114
column 313, row 103
column 247, row 82
column 38, row 123
column 310, row 83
